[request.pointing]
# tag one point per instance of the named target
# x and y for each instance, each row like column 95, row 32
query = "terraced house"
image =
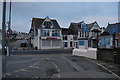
column 86, row 33
column 45, row 33
column 69, row 38
column 110, row 37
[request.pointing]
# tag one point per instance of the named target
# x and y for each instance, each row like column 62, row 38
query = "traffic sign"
column 9, row 32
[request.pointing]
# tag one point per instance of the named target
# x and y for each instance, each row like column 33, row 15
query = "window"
column 45, row 33
column 71, row 44
column 85, row 34
column 80, row 33
column 64, row 37
column 47, row 24
column 56, row 33
column 76, row 44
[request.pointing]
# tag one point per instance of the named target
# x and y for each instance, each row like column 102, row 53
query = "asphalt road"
column 54, row 65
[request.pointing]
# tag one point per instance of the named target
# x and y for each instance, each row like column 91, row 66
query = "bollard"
column 115, row 55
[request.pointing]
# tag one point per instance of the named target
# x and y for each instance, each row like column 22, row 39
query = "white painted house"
column 45, row 33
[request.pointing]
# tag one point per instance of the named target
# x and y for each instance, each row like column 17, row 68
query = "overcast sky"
column 63, row 12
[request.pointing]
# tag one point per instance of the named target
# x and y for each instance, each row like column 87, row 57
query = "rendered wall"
column 90, row 53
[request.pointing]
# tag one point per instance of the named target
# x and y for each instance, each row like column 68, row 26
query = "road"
column 54, row 65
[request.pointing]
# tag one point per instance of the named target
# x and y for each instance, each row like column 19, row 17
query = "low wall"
column 111, row 55
column 90, row 53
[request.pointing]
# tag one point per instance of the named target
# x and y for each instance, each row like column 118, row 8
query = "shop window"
column 65, row 44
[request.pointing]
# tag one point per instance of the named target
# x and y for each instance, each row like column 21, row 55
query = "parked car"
column 24, row 43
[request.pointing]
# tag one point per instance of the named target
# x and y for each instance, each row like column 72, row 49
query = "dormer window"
column 47, row 23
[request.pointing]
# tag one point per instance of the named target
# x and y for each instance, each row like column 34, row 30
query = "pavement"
column 109, row 66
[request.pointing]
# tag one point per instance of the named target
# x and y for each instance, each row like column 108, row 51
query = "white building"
column 45, row 33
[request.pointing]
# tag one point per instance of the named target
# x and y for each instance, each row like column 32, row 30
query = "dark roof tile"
column 66, row 31
column 38, row 23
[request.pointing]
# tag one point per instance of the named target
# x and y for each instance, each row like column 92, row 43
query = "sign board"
column 81, row 42
column 84, row 27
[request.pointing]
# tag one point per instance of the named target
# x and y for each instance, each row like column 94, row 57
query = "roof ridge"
column 42, row 18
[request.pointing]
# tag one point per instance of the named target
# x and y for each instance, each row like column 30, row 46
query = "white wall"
column 90, row 53
column 35, row 42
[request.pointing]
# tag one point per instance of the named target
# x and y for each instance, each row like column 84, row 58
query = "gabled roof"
column 77, row 25
column 91, row 25
column 111, row 27
column 79, row 28
column 66, row 31
column 105, row 33
column 38, row 23
column 96, row 30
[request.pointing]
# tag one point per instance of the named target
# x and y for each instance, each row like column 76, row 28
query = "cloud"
column 63, row 12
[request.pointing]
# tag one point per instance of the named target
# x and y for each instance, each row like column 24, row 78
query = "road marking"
column 36, row 67
column 104, row 67
column 8, row 74
column 23, row 69
column 57, row 69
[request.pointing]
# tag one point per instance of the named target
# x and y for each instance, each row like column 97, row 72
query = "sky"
column 63, row 12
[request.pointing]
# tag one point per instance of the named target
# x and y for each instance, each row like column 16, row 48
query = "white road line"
column 57, row 69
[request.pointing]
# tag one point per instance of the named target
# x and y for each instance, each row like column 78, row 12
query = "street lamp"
column 114, row 52
column 9, row 31
column 3, row 38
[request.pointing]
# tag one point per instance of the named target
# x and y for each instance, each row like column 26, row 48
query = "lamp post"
column 3, row 38
column 114, row 52
column 114, row 40
column 9, row 31
column 97, row 38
